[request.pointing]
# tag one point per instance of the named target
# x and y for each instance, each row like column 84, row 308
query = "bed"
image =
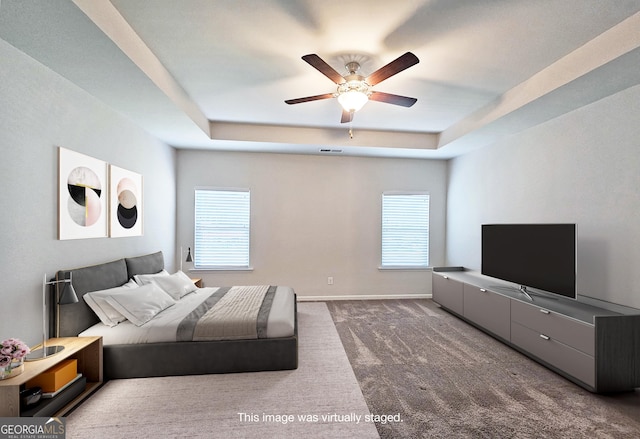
column 152, row 354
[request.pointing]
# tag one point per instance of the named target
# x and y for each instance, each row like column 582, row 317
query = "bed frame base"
column 198, row 358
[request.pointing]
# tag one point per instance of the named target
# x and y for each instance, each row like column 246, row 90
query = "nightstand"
column 86, row 350
column 197, row 281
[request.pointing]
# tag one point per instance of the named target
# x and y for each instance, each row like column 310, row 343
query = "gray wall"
column 584, row 168
column 39, row 112
column 314, row 217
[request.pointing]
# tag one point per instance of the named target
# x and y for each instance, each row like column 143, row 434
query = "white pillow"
column 131, row 284
column 139, row 305
column 143, row 279
column 176, row 285
column 105, row 312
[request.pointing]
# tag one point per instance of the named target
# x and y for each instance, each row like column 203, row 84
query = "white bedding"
column 163, row 327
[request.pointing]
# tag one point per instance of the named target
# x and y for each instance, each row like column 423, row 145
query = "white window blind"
column 222, row 228
column 405, row 230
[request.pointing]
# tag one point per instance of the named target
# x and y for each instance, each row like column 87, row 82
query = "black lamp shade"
column 68, row 294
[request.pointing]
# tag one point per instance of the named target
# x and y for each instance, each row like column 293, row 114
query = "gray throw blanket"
column 230, row 313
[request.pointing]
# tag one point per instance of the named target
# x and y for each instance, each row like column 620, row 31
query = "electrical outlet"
column 330, row 280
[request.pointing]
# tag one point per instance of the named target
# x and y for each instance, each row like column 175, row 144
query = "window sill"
column 403, row 268
column 221, row 269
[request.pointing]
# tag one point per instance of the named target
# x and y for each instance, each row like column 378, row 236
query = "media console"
column 597, row 348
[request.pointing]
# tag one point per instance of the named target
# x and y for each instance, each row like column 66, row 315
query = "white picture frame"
column 126, row 203
column 82, row 196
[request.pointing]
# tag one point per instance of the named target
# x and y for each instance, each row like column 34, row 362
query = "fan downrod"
column 352, row 67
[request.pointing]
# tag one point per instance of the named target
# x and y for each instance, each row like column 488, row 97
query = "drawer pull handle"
column 544, row 337
column 544, row 311
column 483, row 290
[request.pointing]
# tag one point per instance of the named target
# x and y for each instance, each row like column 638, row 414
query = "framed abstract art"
column 82, row 193
column 125, row 206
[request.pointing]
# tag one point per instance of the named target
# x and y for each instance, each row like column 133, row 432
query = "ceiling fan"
column 354, row 90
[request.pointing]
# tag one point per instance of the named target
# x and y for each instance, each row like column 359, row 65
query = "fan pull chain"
column 351, row 126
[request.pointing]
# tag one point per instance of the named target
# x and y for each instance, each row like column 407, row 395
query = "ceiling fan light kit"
column 354, row 90
column 353, row 99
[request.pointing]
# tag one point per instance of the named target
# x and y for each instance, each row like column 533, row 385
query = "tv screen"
column 541, row 256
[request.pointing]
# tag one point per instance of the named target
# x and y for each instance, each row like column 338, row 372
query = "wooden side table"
column 197, row 281
column 86, row 350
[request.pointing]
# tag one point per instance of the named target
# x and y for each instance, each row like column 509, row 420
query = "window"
column 405, row 230
column 222, row 228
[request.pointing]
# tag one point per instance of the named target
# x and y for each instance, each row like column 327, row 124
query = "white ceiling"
column 215, row 73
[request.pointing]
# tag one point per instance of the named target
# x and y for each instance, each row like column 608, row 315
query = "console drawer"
column 447, row 292
column 552, row 351
column 571, row 332
column 487, row 309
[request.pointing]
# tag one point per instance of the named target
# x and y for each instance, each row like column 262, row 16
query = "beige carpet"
column 323, row 391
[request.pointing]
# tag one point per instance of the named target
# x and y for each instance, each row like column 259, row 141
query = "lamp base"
column 41, row 354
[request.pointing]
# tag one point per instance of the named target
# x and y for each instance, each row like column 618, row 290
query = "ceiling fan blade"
column 347, row 116
column 309, row 98
column 396, row 66
column 316, row 62
column 388, row 98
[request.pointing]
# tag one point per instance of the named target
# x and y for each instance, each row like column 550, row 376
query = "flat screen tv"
column 541, row 256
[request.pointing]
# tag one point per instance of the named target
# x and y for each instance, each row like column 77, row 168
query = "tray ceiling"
column 215, row 74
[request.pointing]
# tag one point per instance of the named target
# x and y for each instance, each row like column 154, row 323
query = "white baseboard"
column 363, row 297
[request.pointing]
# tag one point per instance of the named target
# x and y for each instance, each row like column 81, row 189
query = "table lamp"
column 63, row 297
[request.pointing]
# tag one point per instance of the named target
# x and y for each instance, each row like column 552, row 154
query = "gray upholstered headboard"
column 146, row 264
column 77, row 317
